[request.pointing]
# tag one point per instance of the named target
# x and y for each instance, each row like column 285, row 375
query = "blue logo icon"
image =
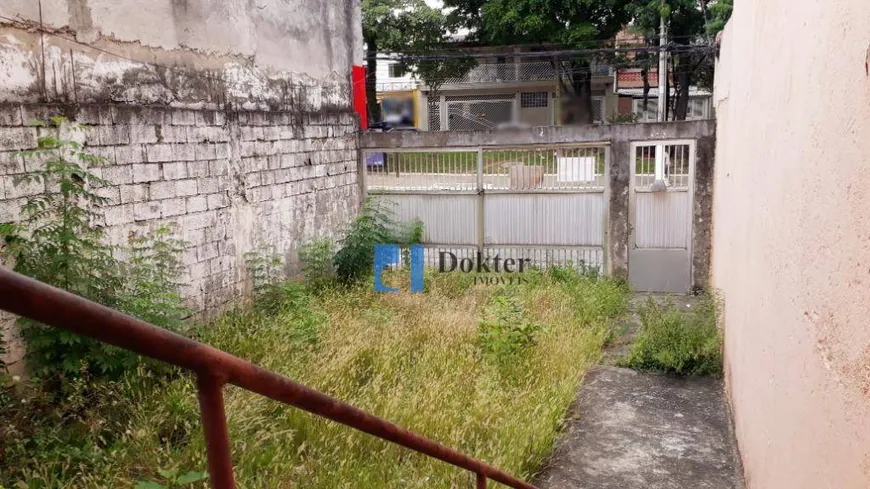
column 390, row 254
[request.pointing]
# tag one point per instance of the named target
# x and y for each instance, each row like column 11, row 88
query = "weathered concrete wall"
column 270, row 54
column 619, row 137
column 791, row 240
column 231, row 118
column 233, row 182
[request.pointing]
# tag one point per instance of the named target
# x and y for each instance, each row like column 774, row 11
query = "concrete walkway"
column 631, row 430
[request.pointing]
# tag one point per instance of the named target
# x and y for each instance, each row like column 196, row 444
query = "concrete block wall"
column 231, row 181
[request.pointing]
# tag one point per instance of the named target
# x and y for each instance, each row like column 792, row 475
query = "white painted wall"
column 791, row 239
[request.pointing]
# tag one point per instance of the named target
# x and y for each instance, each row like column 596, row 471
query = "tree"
column 405, row 27
column 573, row 24
column 720, row 12
column 691, row 24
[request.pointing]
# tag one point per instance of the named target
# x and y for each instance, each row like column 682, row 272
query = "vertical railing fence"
column 543, row 203
column 215, row 368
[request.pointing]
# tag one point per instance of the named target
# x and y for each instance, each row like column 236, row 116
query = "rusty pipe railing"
column 214, row 368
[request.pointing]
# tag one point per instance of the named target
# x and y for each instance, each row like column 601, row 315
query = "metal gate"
column 660, row 216
column 543, row 204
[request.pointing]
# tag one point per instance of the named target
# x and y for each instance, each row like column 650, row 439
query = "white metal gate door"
column 545, row 204
column 660, row 216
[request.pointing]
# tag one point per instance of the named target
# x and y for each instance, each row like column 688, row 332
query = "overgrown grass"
column 429, row 362
column 686, row 343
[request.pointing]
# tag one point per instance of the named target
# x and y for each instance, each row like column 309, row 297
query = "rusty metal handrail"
column 55, row 307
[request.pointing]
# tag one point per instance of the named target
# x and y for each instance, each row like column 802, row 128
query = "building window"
column 598, row 109
column 698, row 108
column 652, row 109
column 529, row 100
column 397, row 70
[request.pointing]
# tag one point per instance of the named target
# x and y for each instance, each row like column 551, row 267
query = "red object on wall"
column 359, row 95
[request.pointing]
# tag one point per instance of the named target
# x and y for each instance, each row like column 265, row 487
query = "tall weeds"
column 416, row 359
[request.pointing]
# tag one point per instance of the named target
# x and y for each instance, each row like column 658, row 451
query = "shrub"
column 154, row 267
column 505, row 329
column 316, row 257
column 265, row 267
column 267, row 275
column 274, row 296
column 676, row 342
column 59, row 242
column 375, row 225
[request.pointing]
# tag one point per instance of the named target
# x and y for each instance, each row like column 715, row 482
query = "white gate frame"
column 633, row 191
column 481, row 191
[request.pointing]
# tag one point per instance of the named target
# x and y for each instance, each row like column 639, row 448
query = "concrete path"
column 631, row 430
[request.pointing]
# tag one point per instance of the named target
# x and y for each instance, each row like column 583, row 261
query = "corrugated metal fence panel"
column 662, row 220
column 569, row 219
column 447, row 219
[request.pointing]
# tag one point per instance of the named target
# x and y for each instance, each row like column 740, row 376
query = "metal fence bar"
column 55, row 307
column 481, row 203
column 214, row 426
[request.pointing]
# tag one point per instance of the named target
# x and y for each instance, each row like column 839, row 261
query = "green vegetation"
column 317, row 268
column 60, row 242
column 685, row 343
column 375, row 225
column 172, row 480
column 488, row 370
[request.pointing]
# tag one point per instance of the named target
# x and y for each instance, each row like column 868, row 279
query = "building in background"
column 507, row 91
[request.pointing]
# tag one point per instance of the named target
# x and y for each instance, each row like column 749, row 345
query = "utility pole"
column 663, row 66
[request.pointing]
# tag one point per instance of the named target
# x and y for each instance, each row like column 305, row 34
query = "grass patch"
column 488, row 370
column 672, row 341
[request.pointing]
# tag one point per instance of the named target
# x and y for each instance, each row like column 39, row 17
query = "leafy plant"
column 375, row 225
column 622, row 119
column 274, row 296
column 407, row 235
column 155, row 266
column 682, row 343
column 571, row 274
column 266, row 269
column 172, row 480
column 316, row 257
column 505, row 329
column 59, row 242
column 267, row 276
